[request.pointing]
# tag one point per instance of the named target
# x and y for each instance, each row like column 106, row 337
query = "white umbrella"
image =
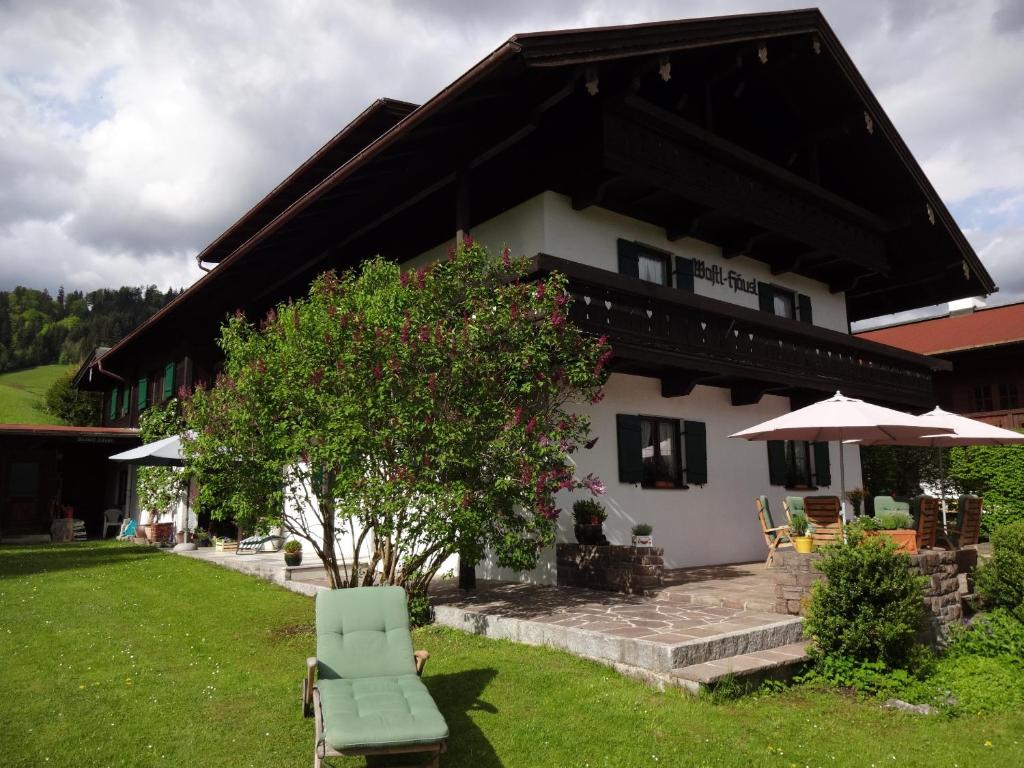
column 964, row 431
column 159, row 453
column 842, row 418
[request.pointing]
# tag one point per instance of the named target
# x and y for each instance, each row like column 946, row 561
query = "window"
column 1008, row 396
column 785, row 303
column 659, row 447
column 983, row 398
column 645, row 263
column 661, row 452
column 799, row 464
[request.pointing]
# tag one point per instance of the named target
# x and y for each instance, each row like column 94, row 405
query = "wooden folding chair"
column 968, row 524
column 775, row 536
column 927, row 513
column 824, row 513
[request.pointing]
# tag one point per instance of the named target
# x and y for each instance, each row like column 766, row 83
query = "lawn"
column 21, row 394
column 120, row 656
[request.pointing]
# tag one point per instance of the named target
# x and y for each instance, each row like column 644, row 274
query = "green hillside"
column 21, row 394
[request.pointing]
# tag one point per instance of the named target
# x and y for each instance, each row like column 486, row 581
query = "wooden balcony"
column 685, row 339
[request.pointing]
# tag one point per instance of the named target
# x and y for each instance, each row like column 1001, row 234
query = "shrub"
column 293, row 546
column 998, row 513
column 585, row 510
column 996, row 473
column 798, row 524
column 999, row 634
column 643, row 529
column 1001, row 580
column 421, row 612
column 893, row 521
column 869, row 607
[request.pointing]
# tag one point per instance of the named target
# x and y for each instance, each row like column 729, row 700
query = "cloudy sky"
column 132, row 133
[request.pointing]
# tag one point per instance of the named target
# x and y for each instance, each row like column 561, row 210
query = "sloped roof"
column 370, row 168
column 986, row 327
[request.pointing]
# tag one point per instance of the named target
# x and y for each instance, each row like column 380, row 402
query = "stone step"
column 746, row 670
column 743, row 632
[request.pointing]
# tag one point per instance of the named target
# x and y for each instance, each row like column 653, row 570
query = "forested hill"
column 39, row 329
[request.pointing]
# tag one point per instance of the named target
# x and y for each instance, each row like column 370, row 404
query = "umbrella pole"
column 842, row 482
column 942, row 488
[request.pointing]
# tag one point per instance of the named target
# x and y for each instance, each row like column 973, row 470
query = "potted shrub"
column 642, row 535
column 798, row 528
column 293, row 553
column 856, row 496
column 898, row 526
column 589, row 516
column 200, row 537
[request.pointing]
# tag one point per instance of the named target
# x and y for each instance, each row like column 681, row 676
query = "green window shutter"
column 168, row 380
column 125, row 397
column 803, row 308
column 777, row 462
column 822, row 464
column 631, row 464
column 143, row 393
column 113, row 404
column 766, row 297
column 629, row 259
column 696, row 452
column 684, row 274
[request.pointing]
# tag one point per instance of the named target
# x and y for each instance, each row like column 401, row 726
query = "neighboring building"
column 44, row 468
column 985, row 346
column 725, row 195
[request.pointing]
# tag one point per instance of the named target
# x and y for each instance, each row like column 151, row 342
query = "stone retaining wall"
column 795, row 574
column 634, row 570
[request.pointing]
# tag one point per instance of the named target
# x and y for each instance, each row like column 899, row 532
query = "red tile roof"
column 981, row 328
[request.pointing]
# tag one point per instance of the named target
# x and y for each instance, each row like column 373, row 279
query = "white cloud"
column 134, row 133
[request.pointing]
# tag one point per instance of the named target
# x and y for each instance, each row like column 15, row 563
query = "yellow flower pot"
column 802, row 544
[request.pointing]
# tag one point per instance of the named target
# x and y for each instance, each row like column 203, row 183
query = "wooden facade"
column 754, row 133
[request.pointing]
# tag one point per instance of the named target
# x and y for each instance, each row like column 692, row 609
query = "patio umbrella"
column 964, row 431
column 159, row 453
column 842, row 418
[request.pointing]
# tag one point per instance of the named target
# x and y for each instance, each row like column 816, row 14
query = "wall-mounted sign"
column 715, row 275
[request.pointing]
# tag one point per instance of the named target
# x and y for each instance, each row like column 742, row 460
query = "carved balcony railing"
column 663, row 328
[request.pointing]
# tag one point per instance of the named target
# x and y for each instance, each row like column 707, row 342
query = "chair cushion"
column 795, row 504
column 769, row 521
column 363, row 632
column 379, row 712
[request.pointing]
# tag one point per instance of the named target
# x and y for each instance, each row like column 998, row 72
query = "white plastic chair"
column 111, row 519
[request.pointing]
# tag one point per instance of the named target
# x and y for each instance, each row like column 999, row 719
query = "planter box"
column 643, row 541
column 227, row 546
column 905, row 539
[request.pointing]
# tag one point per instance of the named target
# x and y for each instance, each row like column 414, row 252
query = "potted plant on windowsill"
column 642, row 535
column 293, row 553
column 589, row 516
column 898, row 526
column 798, row 528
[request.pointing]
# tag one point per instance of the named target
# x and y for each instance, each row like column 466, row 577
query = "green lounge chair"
column 363, row 686
column 889, row 504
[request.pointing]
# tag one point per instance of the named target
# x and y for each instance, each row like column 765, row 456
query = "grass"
column 21, row 394
column 113, row 655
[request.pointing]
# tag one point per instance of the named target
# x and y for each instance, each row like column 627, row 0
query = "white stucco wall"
column 702, row 525
column 716, row 523
column 548, row 224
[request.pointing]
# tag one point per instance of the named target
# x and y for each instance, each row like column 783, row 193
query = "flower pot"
column 904, row 538
column 590, row 534
column 803, row 544
column 293, row 558
column 643, row 541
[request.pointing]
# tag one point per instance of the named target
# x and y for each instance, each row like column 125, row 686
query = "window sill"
column 665, row 487
column 801, row 487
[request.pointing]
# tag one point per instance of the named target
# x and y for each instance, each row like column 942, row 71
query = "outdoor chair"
column 889, row 504
column 824, row 513
column 111, row 519
column 968, row 524
column 775, row 536
column 253, row 544
column 927, row 515
column 363, row 687
column 791, row 505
